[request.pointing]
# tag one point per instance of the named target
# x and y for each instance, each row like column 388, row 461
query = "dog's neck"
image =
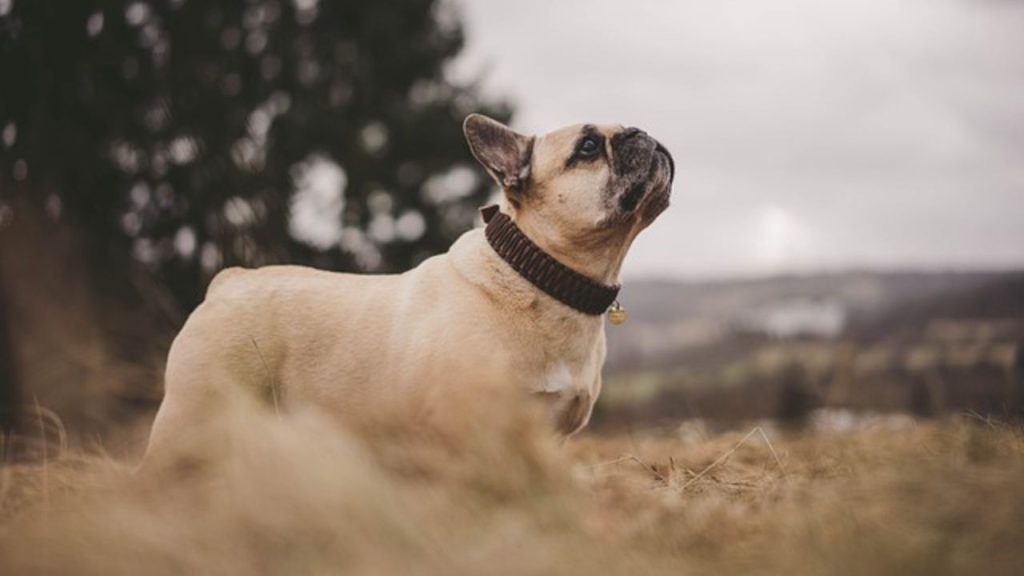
column 477, row 262
column 563, row 283
column 598, row 257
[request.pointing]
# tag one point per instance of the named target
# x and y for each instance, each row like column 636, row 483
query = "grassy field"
column 298, row 495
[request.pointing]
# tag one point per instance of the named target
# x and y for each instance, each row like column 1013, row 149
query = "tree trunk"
column 8, row 378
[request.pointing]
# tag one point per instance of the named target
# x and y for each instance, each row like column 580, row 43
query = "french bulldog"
column 519, row 302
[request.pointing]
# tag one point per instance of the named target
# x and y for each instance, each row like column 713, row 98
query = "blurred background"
column 845, row 238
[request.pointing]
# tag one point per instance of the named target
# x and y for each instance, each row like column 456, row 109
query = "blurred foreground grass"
column 299, row 495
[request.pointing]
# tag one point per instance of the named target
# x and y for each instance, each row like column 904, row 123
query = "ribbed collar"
column 537, row 266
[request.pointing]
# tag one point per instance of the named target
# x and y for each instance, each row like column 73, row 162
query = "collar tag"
column 616, row 314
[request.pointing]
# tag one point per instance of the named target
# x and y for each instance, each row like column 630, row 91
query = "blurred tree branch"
column 176, row 137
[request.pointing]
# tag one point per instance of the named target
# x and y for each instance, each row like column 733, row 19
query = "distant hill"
column 667, row 316
column 923, row 343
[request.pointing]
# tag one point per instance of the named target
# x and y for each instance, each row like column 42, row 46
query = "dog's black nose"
column 631, row 131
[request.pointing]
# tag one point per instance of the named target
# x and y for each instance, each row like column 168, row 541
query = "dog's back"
column 350, row 343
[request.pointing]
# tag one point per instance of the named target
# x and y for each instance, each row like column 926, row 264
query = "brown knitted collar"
column 531, row 262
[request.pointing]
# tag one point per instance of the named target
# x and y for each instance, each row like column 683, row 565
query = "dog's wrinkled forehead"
column 553, row 152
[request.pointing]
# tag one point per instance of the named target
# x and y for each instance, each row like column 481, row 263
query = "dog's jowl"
column 517, row 304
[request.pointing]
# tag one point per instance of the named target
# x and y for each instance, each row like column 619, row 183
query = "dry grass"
column 298, row 494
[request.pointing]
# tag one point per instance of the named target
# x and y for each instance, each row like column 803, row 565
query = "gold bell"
column 616, row 314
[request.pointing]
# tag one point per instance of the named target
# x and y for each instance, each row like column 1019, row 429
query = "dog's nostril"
column 630, row 132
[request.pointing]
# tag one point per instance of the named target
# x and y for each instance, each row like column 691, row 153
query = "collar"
column 537, row 266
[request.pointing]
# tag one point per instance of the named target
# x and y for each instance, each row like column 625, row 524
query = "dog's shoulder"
column 223, row 277
column 238, row 278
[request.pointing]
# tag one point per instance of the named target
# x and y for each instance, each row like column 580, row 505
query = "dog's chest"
column 558, row 379
column 565, row 379
column 571, row 366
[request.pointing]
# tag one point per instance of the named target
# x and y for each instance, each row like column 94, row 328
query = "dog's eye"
column 588, row 147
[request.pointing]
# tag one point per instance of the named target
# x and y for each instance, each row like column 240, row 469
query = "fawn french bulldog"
column 518, row 302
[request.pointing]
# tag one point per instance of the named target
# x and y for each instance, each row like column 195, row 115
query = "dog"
column 520, row 301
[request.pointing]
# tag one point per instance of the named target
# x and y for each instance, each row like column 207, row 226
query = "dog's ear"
column 504, row 152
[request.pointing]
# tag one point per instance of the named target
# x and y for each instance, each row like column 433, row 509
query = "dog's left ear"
column 504, row 152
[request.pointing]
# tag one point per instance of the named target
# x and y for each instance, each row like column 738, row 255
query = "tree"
column 177, row 137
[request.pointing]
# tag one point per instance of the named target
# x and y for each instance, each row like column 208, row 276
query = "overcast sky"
column 808, row 134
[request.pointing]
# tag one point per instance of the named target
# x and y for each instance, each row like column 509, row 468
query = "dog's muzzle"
column 641, row 164
column 637, row 152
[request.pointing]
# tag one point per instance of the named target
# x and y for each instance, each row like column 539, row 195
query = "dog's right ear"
column 504, row 152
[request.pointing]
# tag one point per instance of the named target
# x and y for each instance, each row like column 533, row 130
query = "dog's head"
column 578, row 187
